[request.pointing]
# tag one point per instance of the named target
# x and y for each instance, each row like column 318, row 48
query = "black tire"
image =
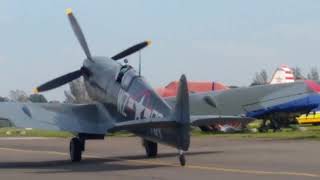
column 205, row 128
column 182, row 160
column 208, row 128
column 263, row 129
column 151, row 148
column 75, row 150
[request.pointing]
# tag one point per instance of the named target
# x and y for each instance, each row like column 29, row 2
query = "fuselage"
column 127, row 96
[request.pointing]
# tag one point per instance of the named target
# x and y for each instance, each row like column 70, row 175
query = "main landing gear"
column 182, row 158
column 151, row 148
column 77, row 146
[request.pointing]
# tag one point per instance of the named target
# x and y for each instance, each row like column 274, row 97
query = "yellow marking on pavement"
column 233, row 170
column 156, row 162
column 257, row 172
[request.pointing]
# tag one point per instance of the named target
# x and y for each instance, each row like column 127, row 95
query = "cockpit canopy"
column 126, row 75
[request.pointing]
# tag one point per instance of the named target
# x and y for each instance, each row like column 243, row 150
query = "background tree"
column 314, row 74
column 69, row 97
column 297, row 73
column 78, row 93
column 4, row 99
column 18, row 96
column 260, row 78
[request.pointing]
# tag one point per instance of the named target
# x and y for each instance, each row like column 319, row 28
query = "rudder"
column 181, row 114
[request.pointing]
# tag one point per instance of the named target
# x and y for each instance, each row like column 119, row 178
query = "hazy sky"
column 226, row 41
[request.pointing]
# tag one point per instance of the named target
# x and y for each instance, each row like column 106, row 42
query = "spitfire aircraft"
column 123, row 101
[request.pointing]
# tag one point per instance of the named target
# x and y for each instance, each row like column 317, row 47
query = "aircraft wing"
column 202, row 120
column 199, row 120
column 88, row 118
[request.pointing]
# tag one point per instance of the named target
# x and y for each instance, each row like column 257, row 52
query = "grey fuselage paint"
column 127, row 96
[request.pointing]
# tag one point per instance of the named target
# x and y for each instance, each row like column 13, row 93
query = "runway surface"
column 123, row 158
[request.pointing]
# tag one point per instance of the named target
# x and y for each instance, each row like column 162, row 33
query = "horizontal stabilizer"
column 143, row 123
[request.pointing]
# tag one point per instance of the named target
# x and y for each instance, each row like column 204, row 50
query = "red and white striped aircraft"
column 283, row 74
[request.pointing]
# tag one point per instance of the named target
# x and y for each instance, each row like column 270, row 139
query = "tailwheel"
column 76, row 148
column 182, row 158
column 151, row 148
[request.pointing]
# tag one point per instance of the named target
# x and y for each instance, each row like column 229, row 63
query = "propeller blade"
column 77, row 31
column 58, row 81
column 131, row 50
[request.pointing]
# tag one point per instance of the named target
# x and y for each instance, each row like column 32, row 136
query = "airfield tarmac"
column 123, row 158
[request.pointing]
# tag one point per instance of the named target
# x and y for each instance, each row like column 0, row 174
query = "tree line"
column 76, row 94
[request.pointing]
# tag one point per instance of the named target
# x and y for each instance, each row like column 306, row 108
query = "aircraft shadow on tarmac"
column 94, row 164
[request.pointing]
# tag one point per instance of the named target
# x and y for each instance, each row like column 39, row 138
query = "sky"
column 226, row 41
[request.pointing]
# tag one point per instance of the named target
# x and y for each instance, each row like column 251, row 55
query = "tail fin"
column 283, row 74
column 181, row 115
column 181, row 110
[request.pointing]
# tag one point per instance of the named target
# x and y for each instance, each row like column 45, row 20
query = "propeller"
column 58, row 81
column 64, row 79
column 78, row 32
column 131, row 50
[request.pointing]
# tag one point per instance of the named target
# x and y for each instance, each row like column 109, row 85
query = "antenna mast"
column 139, row 63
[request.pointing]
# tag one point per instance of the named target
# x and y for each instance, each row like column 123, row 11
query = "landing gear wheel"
column 76, row 147
column 151, row 148
column 182, row 160
column 264, row 127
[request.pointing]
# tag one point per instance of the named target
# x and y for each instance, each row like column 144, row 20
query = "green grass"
column 13, row 132
column 310, row 132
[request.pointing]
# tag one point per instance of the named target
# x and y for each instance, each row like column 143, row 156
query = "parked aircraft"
column 283, row 74
column 313, row 118
column 271, row 119
column 270, row 101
